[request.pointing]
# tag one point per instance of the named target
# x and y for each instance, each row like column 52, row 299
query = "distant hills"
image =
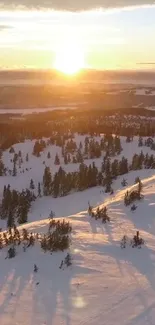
column 90, row 76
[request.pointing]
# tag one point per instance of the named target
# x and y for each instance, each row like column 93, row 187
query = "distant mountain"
column 91, row 76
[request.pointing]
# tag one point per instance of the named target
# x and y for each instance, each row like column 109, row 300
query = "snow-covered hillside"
column 105, row 285
column 35, row 166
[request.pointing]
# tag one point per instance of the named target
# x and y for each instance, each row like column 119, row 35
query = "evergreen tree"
column 32, row 186
column 10, row 221
column 65, row 159
column 35, row 268
column 19, row 153
column 47, row 181
column 79, row 157
column 48, row 155
column 39, row 189
column 2, row 168
column 15, row 158
column 68, row 260
column 114, row 168
column 14, row 172
column 69, row 158
column 57, row 160
column 117, row 145
column 23, row 215
column 51, row 215
column 12, row 150
column 140, row 142
column 123, row 166
column 124, row 182
column 74, row 160
column 128, row 139
column 11, row 252
column 56, row 185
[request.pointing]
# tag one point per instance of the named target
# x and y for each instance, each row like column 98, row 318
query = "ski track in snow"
column 106, row 285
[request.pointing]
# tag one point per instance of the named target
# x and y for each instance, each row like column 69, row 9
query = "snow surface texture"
column 105, row 285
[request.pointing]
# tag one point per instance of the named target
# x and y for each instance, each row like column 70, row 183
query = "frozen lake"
column 26, row 111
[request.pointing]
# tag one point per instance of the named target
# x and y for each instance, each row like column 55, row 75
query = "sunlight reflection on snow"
column 79, row 302
column 74, row 250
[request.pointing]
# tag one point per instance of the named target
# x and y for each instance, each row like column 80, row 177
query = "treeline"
column 62, row 183
column 56, row 239
column 15, row 205
column 73, row 153
column 64, row 123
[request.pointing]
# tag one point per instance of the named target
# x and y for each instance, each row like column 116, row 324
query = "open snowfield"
column 105, row 285
column 28, row 111
column 22, row 180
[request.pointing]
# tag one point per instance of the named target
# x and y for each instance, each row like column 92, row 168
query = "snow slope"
column 22, row 181
column 73, row 203
column 106, row 285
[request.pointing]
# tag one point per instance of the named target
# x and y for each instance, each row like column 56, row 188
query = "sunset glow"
column 70, row 41
column 69, row 60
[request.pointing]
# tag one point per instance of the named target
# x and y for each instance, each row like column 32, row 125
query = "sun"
column 69, row 60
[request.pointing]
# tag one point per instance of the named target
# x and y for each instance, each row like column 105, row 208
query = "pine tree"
column 25, row 234
column 57, row 160
column 32, row 186
column 65, row 159
column 140, row 186
column 2, row 168
column 124, row 182
column 56, row 185
column 117, row 144
column 114, row 168
column 128, row 139
column 123, row 166
column 133, row 207
column 47, row 181
column 11, row 252
column 12, row 150
column 15, row 158
column 19, row 153
column 39, row 189
column 23, row 212
column 14, row 172
column 74, row 160
column 68, row 260
column 1, row 242
column 10, row 221
column 48, row 155
column 140, row 142
column 123, row 242
column 69, row 158
column 80, row 145
column 35, row 268
column 51, row 215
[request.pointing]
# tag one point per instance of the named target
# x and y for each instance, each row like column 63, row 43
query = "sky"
column 113, row 35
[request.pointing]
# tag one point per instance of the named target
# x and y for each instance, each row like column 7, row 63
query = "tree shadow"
column 14, row 283
column 143, row 218
column 143, row 260
column 55, row 294
column 143, row 315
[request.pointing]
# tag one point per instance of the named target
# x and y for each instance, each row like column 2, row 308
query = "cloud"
column 73, row 5
column 4, row 27
column 146, row 63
